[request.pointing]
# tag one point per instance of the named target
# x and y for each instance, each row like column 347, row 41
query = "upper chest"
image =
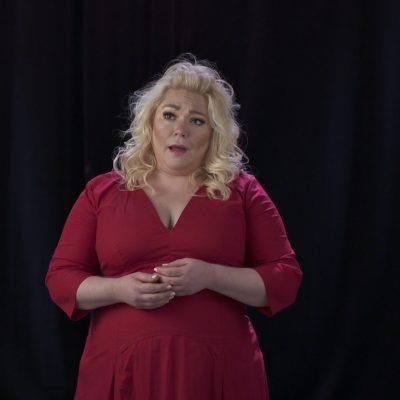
column 169, row 205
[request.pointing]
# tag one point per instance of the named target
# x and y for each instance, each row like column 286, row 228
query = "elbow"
column 282, row 282
column 285, row 293
column 293, row 286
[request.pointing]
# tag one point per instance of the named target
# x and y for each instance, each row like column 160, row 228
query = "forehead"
column 183, row 98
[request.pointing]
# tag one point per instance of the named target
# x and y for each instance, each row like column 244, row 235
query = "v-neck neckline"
column 157, row 215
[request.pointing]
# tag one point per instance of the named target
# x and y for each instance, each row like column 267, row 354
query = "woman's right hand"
column 141, row 290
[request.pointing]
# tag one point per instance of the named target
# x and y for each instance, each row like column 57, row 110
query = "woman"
column 169, row 248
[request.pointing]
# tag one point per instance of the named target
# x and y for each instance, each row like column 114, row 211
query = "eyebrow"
column 176, row 107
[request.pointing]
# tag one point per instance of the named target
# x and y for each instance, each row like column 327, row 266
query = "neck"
column 162, row 179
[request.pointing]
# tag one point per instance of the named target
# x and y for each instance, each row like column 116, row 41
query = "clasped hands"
column 178, row 278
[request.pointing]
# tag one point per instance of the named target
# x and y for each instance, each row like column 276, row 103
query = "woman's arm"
column 95, row 292
column 138, row 290
column 242, row 284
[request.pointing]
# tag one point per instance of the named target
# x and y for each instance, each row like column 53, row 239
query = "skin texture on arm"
column 242, row 284
column 188, row 276
column 138, row 290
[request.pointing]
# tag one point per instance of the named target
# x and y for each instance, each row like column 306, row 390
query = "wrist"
column 115, row 290
column 211, row 275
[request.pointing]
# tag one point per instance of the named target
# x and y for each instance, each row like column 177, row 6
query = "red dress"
column 201, row 346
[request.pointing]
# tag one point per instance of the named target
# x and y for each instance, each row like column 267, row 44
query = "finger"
column 174, row 281
column 169, row 271
column 151, row 288
column 155, row 278
column 143, row 277
column 160, row 296
column 179, row 290
column 176, row 263
column 151, row 300
column 177, row 285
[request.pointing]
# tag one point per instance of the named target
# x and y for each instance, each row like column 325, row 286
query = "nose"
column 180, row 129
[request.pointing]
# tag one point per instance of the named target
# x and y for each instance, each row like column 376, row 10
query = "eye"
column 197, row 121
column 168, row 115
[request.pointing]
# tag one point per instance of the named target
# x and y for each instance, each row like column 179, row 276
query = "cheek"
column 158, row 135
column 205, row 142
column 156, row 144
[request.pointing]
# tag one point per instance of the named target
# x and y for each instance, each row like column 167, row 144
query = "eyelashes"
column 198, row 121
column 170, row 116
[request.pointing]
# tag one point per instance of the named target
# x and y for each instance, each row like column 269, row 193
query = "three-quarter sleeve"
column 75, row 257
column 268, row 250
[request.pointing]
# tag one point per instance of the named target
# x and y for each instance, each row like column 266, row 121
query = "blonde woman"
column 169, row 248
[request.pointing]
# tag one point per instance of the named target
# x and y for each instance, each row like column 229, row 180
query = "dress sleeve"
column 75, row 257
column 268, row 250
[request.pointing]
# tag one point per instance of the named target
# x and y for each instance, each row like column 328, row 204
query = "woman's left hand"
column 186, row 275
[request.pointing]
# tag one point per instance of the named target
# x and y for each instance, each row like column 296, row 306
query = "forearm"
column 95, row 292
column 242, row 284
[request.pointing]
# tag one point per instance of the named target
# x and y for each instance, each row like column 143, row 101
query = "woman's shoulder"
column 243, row 180
column 104, row 183
column 248, row 187
column 106, row 179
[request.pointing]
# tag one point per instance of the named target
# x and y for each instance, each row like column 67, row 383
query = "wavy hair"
column 224, row 160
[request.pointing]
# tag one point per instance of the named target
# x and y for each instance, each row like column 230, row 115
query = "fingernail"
column 169, row 287
column 154, row 276
column 155, row 269
column 172, row 295
column 165, row 264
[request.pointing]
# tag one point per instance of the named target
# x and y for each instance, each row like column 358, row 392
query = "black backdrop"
column 319, row 86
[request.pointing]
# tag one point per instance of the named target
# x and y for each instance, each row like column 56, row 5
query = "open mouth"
column 177, row 149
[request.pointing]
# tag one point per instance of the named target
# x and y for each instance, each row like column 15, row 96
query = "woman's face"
column 181, row 132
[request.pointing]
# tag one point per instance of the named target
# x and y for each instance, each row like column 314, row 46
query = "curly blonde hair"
column 135, row 160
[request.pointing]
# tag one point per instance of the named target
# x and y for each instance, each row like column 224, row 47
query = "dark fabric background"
column 319, row 86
